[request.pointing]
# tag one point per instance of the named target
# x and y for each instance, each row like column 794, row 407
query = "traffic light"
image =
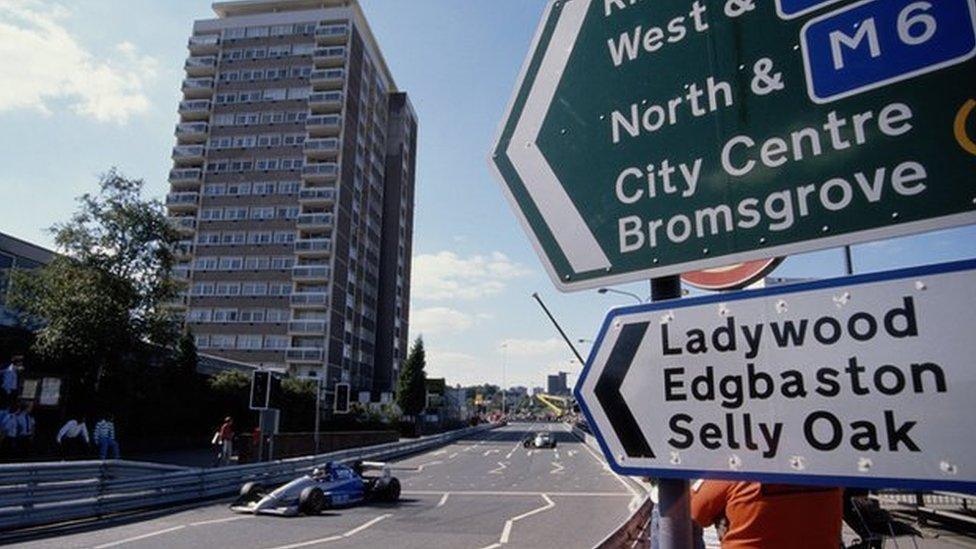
column 265, row 390
column 341, row 398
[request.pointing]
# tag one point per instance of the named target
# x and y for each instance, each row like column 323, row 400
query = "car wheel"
column 311, row 501
column 392, row 492
column 525, row 444
column 250, row 490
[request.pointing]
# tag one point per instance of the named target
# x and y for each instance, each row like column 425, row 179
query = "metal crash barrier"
column 36, row 494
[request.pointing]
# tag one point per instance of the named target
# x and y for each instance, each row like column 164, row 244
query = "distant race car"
column 335, row 485
column 540, row 440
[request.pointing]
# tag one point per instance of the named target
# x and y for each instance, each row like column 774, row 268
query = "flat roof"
column 258, row 7
column 22, row 248
column 255, row 7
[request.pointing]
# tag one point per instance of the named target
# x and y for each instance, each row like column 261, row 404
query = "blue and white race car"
column 335, row 485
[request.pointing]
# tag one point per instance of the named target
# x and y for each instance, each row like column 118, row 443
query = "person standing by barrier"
column 224, row 440
column 10, row 380
column 8, row 432
column 104, row 436
column 26, row 425
column 73, row 439
column 770, row 515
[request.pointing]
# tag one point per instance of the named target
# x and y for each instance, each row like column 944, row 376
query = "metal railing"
column 35, row 494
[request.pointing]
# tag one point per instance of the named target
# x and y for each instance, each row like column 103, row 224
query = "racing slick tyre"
column 250, row 490
column 391, row 493
column 311, row 501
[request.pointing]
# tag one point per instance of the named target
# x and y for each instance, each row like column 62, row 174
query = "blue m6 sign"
column 655, row 137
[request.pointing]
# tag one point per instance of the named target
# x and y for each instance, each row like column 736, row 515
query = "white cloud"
column 439, row 320
column 533, row 348
column 445, row 275
column 42, row 63
column 454, row 366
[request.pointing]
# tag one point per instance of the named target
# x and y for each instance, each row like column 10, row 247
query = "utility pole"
column 673, row 494
column 504, row 381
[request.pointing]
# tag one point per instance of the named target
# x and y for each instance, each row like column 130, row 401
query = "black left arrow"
column 608, row 391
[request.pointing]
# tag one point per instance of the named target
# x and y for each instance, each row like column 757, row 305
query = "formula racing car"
column 541, row 439
column 335, row 485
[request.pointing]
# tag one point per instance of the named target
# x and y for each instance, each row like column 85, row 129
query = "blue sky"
column 86, row 85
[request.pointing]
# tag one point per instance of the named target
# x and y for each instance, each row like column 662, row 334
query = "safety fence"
column 35, row 494
column 941, row 506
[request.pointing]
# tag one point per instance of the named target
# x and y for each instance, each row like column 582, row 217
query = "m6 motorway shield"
column 859, row 381
column 654, row 137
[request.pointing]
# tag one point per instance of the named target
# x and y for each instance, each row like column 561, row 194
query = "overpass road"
column 486, row 491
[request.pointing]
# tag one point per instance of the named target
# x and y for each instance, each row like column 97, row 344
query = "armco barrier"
column 633, row 531
column 35, row 494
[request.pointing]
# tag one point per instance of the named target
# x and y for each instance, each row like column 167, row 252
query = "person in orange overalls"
column 759, row 516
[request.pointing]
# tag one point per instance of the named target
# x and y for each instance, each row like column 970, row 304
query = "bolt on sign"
column 655, row 137
column 859, row 381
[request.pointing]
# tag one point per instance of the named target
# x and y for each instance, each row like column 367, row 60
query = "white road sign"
column 868, row 380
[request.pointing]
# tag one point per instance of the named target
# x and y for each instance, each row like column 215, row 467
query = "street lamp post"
column 620, row 292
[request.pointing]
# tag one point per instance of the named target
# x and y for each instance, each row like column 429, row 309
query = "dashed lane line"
column 348, row 534
column 141, row 537
column 443, row 499
column 218, row 521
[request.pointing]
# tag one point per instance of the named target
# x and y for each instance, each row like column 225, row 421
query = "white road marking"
column 558, row 468
column 348, row 534
column 571, row 453
column 360, row 528
column 439, row 453
column 492, row 546
column 516, row 493
column 498, row 470
column 443, row 500
column 557, row 454
column 635, row 498
column 489, row 452
column 507, row 531
column 529, row 453
column 452, row 456
column 420, row 467
column 143, row 536
column 217, row 521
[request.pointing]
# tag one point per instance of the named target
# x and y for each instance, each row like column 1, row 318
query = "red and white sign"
column 731, row 277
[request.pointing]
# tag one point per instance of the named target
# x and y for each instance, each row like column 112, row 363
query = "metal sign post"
column 675, row 530
column 646, row 139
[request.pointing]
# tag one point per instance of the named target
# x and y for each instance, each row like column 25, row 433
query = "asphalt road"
column 486, row 491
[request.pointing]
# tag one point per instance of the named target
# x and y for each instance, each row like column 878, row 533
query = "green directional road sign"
column 654, row 137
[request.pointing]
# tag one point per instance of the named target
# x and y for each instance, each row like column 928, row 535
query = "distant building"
column 537, row 390
column 17, row 254
column 556, row 384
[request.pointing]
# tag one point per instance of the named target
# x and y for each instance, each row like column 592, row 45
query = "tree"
column 104, row 297
column 412, row 386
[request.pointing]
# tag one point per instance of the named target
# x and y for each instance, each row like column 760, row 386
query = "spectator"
column 104, row 436
column 73, row 438
column 224, row 439
column 25, row 430
column 8, row 431
column 10, row 380
column 769, row 515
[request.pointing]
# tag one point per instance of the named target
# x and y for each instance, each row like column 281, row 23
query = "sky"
column 90, row 84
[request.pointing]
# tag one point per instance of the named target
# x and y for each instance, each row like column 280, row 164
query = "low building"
column 17, row 254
